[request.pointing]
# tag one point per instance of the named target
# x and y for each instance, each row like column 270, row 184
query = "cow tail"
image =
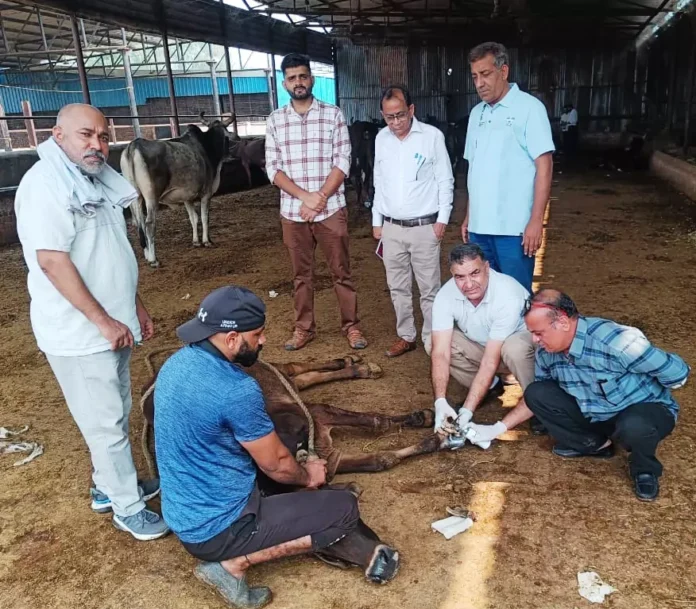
column 138, row 207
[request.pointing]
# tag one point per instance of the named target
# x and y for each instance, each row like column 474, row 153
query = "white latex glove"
column 443, row 411
column 463, row 418
column 484, row 434
column 679, row 385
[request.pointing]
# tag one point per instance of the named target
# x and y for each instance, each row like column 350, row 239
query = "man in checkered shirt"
column 308, row 158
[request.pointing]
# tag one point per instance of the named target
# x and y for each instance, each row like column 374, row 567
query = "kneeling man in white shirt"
column 478, row 332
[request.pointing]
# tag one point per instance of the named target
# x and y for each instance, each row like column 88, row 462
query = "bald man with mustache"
column 85, row 310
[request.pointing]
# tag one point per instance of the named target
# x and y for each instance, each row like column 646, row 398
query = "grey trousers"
column 97, row 389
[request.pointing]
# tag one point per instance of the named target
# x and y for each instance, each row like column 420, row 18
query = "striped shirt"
column 610, row 367
column 306, row 148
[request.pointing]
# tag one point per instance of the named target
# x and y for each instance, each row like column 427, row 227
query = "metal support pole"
column 269, row 85
column 334, row 52
column 274, row 82
column 690, row 85
column 228, row 65
column 130, row 86
column 213, row 80
column 170, row 81
column 80, row 60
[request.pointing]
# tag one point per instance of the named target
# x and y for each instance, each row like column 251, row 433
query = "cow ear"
column 204, row 120
column 228, row 120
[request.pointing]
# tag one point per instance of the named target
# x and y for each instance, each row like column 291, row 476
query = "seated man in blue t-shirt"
column 212, row 432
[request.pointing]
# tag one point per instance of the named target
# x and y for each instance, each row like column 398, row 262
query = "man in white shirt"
column 569, row 129
column 85, row 310
column 413, row 201
column 478, row 332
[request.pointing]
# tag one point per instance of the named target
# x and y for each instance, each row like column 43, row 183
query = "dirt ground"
column 622, row 245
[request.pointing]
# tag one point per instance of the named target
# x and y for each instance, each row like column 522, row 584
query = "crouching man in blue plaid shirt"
column 597, row 383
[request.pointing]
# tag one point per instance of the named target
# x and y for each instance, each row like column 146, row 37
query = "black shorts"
column 326, row 515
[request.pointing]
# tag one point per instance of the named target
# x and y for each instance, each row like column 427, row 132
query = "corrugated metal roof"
column 201, row 20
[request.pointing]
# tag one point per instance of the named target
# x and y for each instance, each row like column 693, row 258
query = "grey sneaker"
column 235, row 591
column 144, row 526
column 102, row 504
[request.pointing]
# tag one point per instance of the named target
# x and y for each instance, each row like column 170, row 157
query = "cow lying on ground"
column 292, row 427
column 180, row 171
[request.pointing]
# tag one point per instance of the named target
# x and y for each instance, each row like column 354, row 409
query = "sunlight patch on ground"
column 468, row 587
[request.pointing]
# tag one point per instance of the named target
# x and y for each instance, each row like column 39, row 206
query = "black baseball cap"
column 228, row 309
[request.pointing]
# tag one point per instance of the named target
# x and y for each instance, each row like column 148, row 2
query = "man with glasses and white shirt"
column 413, row 201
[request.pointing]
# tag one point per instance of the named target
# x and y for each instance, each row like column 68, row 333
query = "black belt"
column 422, row 221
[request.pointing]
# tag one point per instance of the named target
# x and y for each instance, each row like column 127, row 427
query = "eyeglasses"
column 529, row 304
column 392, row 118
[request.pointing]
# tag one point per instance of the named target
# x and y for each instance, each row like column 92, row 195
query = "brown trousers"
column 301, row 239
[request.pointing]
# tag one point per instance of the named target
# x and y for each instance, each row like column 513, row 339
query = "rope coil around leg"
column 301, row 457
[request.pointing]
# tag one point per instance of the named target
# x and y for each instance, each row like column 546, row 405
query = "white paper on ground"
column 451, row 526
column 592, row 588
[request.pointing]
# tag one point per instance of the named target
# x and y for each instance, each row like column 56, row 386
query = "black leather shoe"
column 571, row 453
column 646, row 486
column 537, row 427
column 496, row 391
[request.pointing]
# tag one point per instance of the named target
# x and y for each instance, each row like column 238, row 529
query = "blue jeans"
column 505, row 254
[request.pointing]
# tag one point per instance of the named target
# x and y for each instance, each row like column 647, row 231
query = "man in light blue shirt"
column 509, row 148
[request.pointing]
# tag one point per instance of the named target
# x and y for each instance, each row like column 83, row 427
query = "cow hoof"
column 349, row 360
column 375, row 371
column 383, row 566
column 196, row 244
column 208, row 244
column 421, row 418
column 154, row 265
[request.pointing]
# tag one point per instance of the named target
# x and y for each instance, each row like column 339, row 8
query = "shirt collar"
column 416, row 127
column 290, row 109
column 578, row 344
column 209, row 347
column 509, row 98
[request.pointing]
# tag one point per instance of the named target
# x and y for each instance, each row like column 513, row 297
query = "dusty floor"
column 622, row 245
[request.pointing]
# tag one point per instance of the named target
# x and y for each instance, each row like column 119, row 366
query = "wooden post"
column 112, row 130
column 5, row 131
column 29, row 123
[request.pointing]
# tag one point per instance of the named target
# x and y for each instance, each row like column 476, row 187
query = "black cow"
column 180, row 171
column 362, row 166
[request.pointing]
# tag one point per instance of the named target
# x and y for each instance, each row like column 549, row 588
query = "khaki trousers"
column 411, row 251
column 517, row 357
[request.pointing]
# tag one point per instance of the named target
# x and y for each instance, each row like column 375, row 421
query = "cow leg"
column 356, row 371
column 381, row 461
column 247, row 169
column 205, row 208
column 330, row 416
column 193, row 218
column 293, row 369
column 150, row 218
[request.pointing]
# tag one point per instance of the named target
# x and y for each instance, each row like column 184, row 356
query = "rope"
column 301, row 455
column 295, row 396
column 144, row 435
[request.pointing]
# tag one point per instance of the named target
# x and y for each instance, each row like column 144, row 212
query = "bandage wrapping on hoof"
column 384, row 565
